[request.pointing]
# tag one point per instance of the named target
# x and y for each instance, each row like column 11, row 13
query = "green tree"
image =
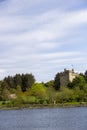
column 5, row 94
column 39, row 91
column 10, row 81
column 51, row 94
column 18, row 80
column 57, row 81
column 65, row 95
column 27, row 81
column 78, row 94
column 19, row 90
column 78, row 81
column 49, row 83
column 4, row 85
column 24, row 80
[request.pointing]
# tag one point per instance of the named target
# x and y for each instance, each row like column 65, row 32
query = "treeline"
column 22, row 89
column 25, row 81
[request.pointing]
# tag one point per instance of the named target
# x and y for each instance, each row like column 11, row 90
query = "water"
column 44, row 119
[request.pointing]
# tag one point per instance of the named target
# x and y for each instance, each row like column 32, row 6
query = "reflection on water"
column 44, row 119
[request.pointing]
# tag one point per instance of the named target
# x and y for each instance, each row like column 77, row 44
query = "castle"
column 67, row 76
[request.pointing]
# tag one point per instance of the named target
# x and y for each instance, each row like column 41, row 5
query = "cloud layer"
column 42, row 37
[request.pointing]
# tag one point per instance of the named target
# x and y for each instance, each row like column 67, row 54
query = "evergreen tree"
column 27, row 81
column 57, row 81
column 18, row 80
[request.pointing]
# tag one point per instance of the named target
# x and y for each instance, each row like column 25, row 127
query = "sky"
column 42, row 37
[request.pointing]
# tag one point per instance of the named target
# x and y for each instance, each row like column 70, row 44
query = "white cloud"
column 40, row 41
column 2, row 71
column 53, row 27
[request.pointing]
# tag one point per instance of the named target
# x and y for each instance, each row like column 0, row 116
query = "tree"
column 57, row 81
column 4, row 85
column 19, row 90
column 27, row 81
column 66, row 94
column 78, row 94
column 5, row 94
column 38, row 90
column 24, row 80
column 51, row 94
column 49, row 83
column 78, row 82
column 18, row 80
column 10, row 81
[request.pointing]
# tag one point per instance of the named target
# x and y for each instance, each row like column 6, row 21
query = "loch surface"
column 44, row 119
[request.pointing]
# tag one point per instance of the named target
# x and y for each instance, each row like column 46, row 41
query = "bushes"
column 39, row 94
column 39, row 91
column 29, row 100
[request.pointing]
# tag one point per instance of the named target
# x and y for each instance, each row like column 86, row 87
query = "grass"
column 7, row 105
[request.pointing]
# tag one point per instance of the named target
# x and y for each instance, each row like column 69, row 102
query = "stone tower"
column 67, row 76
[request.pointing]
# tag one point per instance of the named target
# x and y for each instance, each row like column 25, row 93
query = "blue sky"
column 42, row 37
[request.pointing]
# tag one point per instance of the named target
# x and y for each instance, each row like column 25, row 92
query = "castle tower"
column 67, row 76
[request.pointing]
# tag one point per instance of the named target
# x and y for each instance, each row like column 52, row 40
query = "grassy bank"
column 8, row 106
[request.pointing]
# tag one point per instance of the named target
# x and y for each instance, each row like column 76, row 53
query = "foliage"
column 78, row 81
column 28, row 92
column 64, row 95
column 27, row 81
column 38, row 90
column 51, row 94
column 49, row 83
column 18, row 80
column 31, row 99
column 24, row 80
column 5, row 94
column 57, row 81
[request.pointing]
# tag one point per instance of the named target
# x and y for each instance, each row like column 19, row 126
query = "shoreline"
column 41, row 106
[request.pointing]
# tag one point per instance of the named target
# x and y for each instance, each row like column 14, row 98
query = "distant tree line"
column 23, row 80
column 27, row 91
